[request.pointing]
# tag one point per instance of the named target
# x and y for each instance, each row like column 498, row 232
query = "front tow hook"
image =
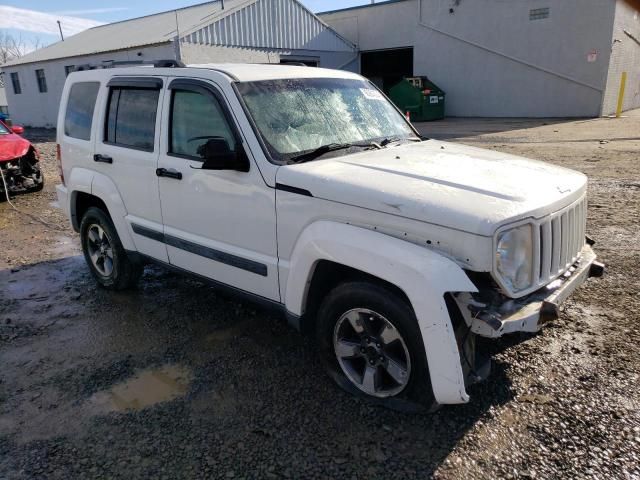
column 596, row 270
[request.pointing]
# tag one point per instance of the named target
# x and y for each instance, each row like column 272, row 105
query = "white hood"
column 452, row 185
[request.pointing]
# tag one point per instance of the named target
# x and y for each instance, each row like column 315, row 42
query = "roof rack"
column 169, row 63
column 289, row 64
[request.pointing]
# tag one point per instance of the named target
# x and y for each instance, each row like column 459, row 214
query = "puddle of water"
column 145, row 389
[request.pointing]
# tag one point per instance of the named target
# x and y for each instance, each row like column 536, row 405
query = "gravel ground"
column 174, row 380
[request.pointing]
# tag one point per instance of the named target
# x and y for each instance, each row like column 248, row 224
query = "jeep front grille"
column 559, row 240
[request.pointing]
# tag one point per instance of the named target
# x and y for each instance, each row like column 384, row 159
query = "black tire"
column 417, row 394
column 125, row 272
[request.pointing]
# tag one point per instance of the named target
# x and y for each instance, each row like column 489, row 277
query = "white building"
column 260, row 31
column 4, row 106
column 497, row 58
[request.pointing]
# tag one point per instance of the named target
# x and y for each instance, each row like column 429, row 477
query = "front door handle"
column 102, row 158
column 168, row 172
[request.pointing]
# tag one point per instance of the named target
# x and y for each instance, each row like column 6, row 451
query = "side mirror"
column 17, row 129
column 218, row 156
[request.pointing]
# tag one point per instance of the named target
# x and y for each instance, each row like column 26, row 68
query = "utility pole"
column 60, row 28
column 176, row 45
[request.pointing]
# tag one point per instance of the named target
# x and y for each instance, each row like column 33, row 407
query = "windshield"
column 3, row 129
column 297, row 116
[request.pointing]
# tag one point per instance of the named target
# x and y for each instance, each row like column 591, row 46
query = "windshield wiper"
column 388, row 140
column 331, row 147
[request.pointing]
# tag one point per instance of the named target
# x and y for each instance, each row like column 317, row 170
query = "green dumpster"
column 419, row 96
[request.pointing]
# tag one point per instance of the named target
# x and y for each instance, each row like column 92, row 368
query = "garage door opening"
column 385, row 68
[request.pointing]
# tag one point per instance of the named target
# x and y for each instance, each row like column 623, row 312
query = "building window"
column 68, row 69
column 15, row 81
column 79, row 115
column 42, row 81
column 538, row 13
column 131, row 118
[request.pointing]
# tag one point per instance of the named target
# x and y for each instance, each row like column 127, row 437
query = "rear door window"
column 80, row 105
column 131, row 117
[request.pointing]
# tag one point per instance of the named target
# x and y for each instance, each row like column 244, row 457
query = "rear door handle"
column 102, row 158
column 169, row 172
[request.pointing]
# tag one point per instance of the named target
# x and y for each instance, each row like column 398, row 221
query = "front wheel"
column 107, row 259
column 371, row 346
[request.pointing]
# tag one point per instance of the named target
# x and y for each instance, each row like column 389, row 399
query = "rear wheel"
column 371, row 345
column 106, row 257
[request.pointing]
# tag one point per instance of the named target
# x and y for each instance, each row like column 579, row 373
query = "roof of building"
column 136, row 32
column 281, row 24
column 359, row 7
column 187, row 23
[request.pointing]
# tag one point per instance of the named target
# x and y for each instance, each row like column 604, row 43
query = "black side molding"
column 148, row 232
column 290, row 189
column 216, row 255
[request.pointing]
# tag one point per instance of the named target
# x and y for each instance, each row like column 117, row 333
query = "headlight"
column 514, row 257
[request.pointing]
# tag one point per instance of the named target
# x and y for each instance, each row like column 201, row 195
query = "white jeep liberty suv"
column 307, row 190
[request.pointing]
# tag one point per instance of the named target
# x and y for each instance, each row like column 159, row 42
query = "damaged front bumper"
column 529, row 313
column 21, row 175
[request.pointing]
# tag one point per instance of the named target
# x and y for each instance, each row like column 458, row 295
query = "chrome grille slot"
column 556, row 239
column 559, row 241
column 546, row 252
column 571, row 216
column 564, row 230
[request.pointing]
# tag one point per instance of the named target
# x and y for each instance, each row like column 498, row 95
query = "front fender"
column 422, row 274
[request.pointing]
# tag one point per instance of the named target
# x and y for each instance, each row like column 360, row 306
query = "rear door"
column 127, row 151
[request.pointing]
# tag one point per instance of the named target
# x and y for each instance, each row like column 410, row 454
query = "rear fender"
column 422, row 274
column 78, row 180
column 104, row 188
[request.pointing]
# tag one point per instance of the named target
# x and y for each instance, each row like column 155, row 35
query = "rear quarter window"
column 79, row 115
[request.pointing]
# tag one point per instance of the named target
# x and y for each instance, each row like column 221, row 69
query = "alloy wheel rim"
column 372, row 353
column 100, row 250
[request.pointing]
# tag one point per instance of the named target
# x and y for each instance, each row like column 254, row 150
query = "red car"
column 19, row 163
